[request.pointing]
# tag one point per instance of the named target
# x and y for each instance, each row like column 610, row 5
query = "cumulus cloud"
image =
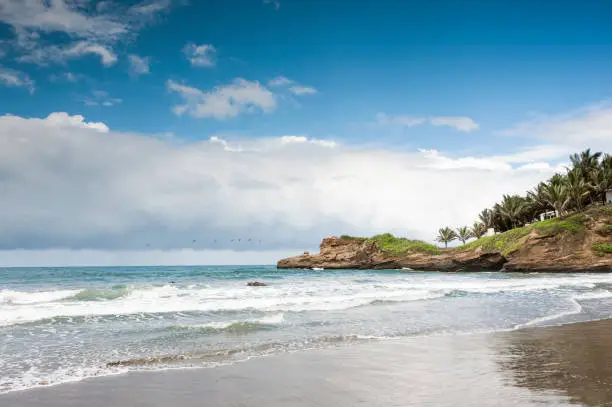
column 200, row 55
column 83, row 28
column 139, row 65
column 13, row 78
column 69, row 183
column 223, row 102
column 461, row 123
column 64, row 120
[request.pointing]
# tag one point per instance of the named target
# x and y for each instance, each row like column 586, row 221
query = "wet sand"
column 569, row 365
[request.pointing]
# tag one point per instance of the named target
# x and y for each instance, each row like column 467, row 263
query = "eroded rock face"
column 538, row 251
column 552, row 253
column 339, row 253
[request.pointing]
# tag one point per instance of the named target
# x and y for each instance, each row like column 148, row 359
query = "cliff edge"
column 579, row 242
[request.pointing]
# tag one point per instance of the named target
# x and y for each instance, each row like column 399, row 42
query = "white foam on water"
column 34, row 378
column 34, row 297
column 597, row 295
column 303, row 294
column 276, row 319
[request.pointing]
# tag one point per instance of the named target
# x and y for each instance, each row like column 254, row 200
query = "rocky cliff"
column 576, row 243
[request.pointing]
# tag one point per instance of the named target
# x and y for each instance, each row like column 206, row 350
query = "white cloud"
column 110, row 190
column 280, row 81
column 59, row 54
column 59, row 16
column 150, row 7
column 223, row 102
column 180, row 257
column 139, row 65
column 461, row 123
column 295, row 88
column 306, row 140
column 200, row 55
column 101, row 98
column 587, row 127
column 66, row 76
column 384, row 120
column 83, row 28
column 63, row 119
column 302, row 90
column 79, row 49
column 13, row 78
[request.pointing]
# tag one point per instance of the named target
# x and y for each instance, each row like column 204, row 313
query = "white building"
column 609, row 196
column 548, row 215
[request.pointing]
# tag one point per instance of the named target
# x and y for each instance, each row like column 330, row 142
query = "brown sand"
column 560, row 366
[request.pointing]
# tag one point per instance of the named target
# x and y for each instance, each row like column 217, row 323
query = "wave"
column 36, row 297
column 237, row 327
column 297, row 294
column 100, row 294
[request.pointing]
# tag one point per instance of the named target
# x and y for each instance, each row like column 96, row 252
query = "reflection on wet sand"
column 561, row 366
column 574, row 360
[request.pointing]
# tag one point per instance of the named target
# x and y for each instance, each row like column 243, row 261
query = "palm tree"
column 601, row 178
column 478, row 230
column 557, row 197
column 577, row 188
column 463, row 234
column 486, row 217
column 535, row 199
column 585, row 162
column 446, row 235
column 512, row 208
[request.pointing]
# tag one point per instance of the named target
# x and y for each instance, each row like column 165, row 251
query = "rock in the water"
column 256, row 284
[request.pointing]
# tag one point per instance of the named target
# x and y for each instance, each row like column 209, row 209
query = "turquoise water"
column 66, row 324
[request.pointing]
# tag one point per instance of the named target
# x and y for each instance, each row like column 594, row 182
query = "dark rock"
column 256, row 284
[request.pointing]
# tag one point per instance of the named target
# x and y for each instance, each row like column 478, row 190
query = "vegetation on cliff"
column 512, row 240
column 397, row 245
column 583, row 185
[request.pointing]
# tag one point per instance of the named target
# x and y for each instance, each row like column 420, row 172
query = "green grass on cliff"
column 601, row 249
column 348, row 237
column 505, row 243
column 400, row 245
column 572, row 224
column 512, row 240
column 397, row 245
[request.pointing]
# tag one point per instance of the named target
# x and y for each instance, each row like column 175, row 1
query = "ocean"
column 62, row 325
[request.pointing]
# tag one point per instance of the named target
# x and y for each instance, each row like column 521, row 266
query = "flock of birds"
column 237, row 240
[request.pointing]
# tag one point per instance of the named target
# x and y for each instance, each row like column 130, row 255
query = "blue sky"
column 462, row 85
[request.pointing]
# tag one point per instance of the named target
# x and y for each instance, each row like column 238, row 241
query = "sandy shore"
column 560, row 366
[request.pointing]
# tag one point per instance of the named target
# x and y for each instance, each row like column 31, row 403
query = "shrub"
column 400, row 245
column 601, row 249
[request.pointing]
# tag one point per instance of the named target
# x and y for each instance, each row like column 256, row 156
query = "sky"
column 243, row 131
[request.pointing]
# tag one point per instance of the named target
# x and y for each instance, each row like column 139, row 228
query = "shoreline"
column 542, row 340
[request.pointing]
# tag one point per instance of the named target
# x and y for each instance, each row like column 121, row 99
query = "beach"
column 568, row 365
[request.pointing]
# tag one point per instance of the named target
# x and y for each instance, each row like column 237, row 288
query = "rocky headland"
column 580, row 242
